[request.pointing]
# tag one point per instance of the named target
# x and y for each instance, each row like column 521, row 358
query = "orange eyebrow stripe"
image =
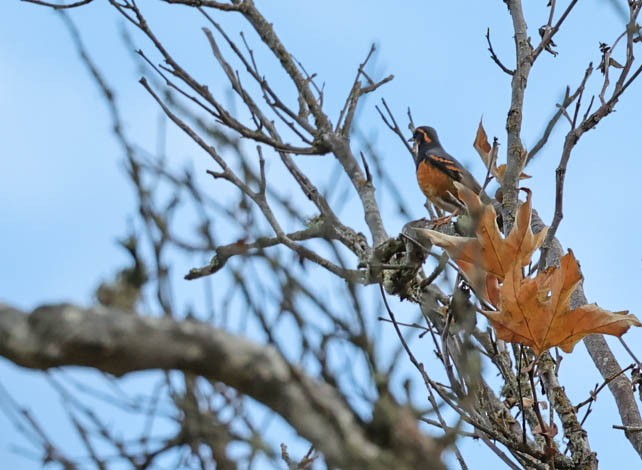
column 426, row 138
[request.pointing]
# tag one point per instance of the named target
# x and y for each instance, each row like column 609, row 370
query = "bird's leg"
column 443, row 220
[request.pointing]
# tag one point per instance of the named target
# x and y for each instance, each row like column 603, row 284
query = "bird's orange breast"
column 433, row 182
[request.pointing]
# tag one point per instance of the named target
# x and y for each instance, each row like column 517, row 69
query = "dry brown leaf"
column 491, row 290
column 485, row 260
column 500, row 171
column 531, row 311
column 536, row 312
column 488, row 155
column 466, row 252
column 482, row 146
column 487, row 152
column 499, row 253
column 471, row 199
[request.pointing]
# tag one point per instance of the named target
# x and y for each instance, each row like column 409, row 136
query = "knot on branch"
column 397, row 262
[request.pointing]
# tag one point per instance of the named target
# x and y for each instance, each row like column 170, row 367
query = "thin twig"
column 496, row 59
column 59, row 6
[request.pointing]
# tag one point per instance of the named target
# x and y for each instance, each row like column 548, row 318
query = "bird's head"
column 425, row 135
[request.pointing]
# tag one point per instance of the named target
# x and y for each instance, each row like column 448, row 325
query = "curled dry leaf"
column 500, row 171
column 531, row 311
column 484, row 260
column 482, row 145
column 467, row 253
column 488, row 155
column 487, row 152
column 536, row 311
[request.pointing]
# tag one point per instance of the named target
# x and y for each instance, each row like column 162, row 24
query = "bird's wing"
column 448, row 164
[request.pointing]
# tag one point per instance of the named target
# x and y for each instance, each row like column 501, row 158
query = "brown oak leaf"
column 488, row 155
column 500, row 171
column 486, row 259
column 482, row 146
column 536, row 311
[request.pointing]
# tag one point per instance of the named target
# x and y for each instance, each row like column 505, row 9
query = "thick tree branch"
column 119, row 343
column 516, row 152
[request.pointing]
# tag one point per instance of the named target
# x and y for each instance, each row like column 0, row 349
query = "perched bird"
column 437, row 172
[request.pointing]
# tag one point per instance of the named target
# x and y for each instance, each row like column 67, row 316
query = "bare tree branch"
column 275, row 238
column 119, row 343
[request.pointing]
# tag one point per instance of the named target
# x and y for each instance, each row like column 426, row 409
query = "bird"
column 437, row 172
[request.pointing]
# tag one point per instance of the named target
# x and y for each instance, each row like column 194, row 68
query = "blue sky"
column 64, row 197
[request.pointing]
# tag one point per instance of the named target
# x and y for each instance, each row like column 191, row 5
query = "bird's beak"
column 412, row 139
